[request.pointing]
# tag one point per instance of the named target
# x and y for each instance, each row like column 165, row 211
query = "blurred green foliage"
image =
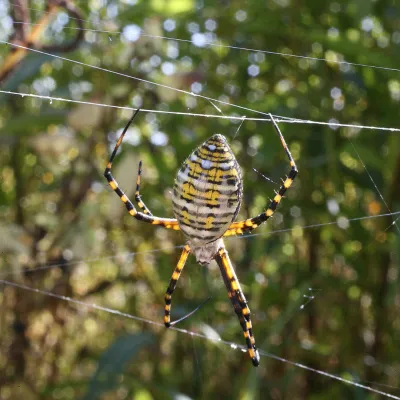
column 60, row 220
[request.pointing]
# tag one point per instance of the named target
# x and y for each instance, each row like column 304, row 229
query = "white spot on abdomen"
column 225, row 166
column 206, row 164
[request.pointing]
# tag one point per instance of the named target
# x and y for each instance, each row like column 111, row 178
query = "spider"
column 206, row 199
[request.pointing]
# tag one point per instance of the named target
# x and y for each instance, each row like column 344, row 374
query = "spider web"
column 308, row 296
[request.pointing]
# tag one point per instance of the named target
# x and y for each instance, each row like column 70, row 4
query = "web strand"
column 210, row 99
column 196, row 334
column 278, row 118
column 128, row 254
column 375, row 185
column 324, row 224
column 207, row 43
column 130, row 77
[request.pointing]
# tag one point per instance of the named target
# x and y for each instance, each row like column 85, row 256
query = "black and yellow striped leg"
column 168, row 223
column 238, row 228
column 172, row 285
column 238, row 301
column 138, row 198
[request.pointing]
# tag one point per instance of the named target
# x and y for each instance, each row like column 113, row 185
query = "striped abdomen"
column 207, row 191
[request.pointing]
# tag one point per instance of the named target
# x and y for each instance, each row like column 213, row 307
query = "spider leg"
column 239, row 302
column 240, row 227
column 172, row 285
column 168, row 223
column 138, row 198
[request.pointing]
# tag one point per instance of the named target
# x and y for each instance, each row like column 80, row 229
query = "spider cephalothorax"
column 206, row 199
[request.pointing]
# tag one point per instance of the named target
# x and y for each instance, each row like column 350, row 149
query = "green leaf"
column 27, row 68
column 113, row 361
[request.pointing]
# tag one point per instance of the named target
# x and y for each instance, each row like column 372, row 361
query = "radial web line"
column 90, row 260
column 213, row 44
column 131, row 77
column 155, row 83
column 127, row 254
column 376, row 187
column 196, row 334
column 320, row 225
column 278, row 118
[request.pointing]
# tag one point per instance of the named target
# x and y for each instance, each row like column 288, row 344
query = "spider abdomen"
column 208, row 191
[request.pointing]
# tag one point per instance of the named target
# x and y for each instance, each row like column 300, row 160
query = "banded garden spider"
column 206, row 199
